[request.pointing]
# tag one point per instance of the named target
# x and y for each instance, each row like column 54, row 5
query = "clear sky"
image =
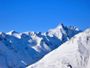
column 41, row 15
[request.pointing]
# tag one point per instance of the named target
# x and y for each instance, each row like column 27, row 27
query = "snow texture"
column 74, row 53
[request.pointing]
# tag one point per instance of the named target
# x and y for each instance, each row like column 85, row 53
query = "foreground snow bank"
column 75, row 53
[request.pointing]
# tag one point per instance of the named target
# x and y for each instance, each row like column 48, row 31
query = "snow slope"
column 75, row 53
column 18, row 50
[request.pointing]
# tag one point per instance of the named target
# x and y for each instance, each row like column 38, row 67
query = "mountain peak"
column 60, row 26
column 1, row 33
column 12, row 32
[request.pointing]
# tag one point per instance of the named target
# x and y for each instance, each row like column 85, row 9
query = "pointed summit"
column 12, row 32
column 60, row 26
column 1, row 33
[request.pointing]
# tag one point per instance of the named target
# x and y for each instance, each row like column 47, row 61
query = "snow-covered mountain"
column 74, row 53
column 18, row 50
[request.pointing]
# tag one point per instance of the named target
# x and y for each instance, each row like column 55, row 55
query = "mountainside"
column 74, row 53
column 18, row 50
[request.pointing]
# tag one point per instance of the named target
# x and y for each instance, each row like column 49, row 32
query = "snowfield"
column 75, row 53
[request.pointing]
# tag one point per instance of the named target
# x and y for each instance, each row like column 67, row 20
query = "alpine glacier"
column 18, row 50
column 74, row 53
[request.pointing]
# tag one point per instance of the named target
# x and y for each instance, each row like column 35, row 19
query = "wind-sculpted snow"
column 18, row 50
column 74, row 53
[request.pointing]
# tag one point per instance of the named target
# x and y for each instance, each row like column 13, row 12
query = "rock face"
column 18, row 50
column 74, row 53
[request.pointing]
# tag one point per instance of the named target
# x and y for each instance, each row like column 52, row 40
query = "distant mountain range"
column 19, row 50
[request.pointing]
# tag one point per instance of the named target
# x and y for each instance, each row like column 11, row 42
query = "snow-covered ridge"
column 18, row 50
column 74, row 53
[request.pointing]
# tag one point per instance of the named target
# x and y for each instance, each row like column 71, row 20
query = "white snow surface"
column 18, row 50
column 75, row 53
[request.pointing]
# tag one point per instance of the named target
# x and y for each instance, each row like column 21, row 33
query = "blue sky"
column 41, row 15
